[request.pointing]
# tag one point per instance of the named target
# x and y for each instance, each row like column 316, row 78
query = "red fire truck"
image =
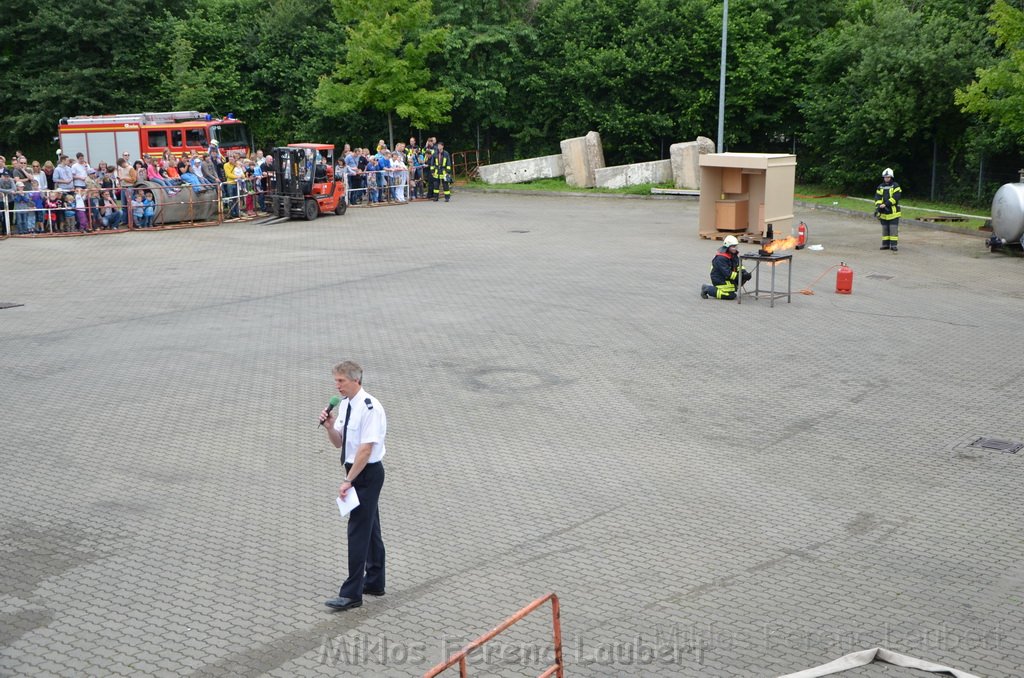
column 107, row 137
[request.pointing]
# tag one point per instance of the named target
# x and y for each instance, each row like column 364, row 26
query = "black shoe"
column 703, row 293
column 894, row 248
column 374, row 592
column 884, row 247
column 447, row 199
column 340, row 603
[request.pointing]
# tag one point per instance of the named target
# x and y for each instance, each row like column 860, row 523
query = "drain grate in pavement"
column 518, row 231
column 9, row 304
column 880, row 276
column 1008, row 446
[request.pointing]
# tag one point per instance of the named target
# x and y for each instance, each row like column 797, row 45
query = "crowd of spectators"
column 408, row 172
column 74, row 196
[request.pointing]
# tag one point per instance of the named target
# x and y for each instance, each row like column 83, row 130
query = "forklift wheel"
column 311, row 210
column 340, row 209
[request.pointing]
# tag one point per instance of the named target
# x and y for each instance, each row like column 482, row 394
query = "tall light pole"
column 721, row 77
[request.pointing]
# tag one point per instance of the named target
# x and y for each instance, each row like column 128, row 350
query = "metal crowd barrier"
column 462, row 656
column 208, row 204
column 233, row 201
column 377, row 188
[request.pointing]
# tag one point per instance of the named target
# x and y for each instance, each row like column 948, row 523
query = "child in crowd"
column 110, row 212
column 149, row 209
column 94, row 202
column 138, row 209
column 81, row 214
column 245, row 186
column 53, row 208
column 69, row 212
column 372, row 172
column 416, row 172
column 384, row 176
column 39, row 204
column 22, row 210
column 153, row 174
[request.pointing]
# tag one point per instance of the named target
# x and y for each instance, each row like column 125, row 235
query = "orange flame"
column 784, row 244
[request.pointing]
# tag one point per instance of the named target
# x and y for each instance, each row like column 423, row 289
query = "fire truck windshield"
column 231, row 135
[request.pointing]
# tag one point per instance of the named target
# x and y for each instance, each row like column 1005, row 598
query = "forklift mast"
column 294, row 172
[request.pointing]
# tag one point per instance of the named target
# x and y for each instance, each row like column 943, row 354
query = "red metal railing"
column 466, row 164
column 460, row 657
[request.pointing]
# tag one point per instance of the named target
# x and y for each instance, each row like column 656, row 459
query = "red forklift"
column 301, row 183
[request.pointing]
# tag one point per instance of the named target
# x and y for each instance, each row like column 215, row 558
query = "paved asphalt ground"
column 712, row 489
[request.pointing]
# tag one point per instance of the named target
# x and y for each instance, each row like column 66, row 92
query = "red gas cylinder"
column 844, row 279
column 801, row 235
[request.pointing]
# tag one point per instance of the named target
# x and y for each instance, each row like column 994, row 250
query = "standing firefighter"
column 726, row 269
column 887, row 209
column 441, row 171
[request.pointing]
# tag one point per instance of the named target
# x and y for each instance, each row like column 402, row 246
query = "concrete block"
column 518, row 171
column 619, row 176
column 686, row 161
column 581, row 157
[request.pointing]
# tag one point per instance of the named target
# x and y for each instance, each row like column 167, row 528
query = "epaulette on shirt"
column 369, row 404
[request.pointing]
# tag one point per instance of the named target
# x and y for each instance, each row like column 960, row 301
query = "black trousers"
column 365, row 545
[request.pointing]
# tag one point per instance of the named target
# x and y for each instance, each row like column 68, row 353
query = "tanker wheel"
column 310, row 210
column 342, row 206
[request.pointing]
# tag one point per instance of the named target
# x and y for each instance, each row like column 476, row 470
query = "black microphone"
column 331, row 405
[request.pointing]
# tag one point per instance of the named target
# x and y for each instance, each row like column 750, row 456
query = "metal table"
column 772, row 260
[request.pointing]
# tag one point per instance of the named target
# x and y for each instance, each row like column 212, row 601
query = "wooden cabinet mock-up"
column 731, row 214
column 743, row 192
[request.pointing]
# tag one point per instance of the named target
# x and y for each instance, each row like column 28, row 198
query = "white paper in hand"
column 350, row 501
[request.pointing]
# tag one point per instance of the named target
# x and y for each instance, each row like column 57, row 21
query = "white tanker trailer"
column 1008, row 216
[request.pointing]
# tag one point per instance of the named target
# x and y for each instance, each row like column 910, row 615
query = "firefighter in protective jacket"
column 441, row 172
column 887, row 209
column 726, row 271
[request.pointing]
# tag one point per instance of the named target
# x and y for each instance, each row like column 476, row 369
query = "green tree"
column 998, row 92
column 59, row 63
column 880, row 91
column 295, row 45
column 202, row 70
column 388, row 43
column 637, row 71
column 481, row 61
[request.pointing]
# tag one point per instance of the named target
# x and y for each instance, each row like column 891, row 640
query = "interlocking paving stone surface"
column 712, row 489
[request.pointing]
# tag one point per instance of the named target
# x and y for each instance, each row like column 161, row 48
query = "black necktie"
column 344, row 431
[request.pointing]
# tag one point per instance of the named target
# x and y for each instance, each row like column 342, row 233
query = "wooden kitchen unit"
column 740, row 193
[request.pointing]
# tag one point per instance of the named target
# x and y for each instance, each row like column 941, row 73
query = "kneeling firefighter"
column 726, row 269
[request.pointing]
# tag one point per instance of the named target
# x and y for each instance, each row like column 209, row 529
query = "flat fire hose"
column 865, row 657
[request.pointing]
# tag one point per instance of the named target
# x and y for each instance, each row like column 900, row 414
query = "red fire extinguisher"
column 801, row 235
column 844, row 279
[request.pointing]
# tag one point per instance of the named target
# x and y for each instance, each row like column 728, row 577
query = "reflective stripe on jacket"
column 724, row 267
column 887, row 200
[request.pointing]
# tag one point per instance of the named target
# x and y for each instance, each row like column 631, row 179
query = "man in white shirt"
column 360, row 433
column 63, row 178
column 80, row 171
